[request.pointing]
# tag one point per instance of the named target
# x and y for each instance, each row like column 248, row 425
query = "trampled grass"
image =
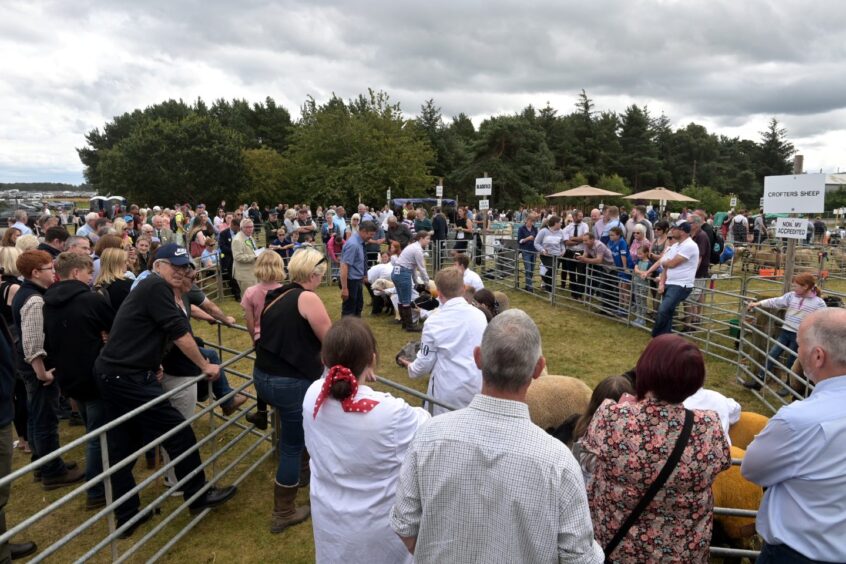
column 575, row 344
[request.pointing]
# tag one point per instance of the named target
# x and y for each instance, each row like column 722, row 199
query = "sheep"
column 732, row 490
column 749, row 425
column 552, row 399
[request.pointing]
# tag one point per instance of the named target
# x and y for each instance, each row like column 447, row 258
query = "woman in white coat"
column 357, row 438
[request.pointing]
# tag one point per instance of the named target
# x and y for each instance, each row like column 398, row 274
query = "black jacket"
column 439, row 226
column 75, row 319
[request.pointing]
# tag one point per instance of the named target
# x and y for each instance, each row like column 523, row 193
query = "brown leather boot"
column 305, row 471
column 285, row 511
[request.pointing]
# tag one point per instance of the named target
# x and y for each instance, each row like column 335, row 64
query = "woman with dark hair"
column 633, row 442
column 357, row 438
column 463, row 230
column 487, row 300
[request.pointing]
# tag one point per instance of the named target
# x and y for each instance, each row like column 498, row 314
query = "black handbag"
column 659, row 482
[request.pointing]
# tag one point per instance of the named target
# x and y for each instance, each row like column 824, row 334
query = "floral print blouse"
column 631, row 443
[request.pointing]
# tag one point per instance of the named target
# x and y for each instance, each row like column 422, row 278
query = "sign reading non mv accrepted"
column 791, row 228
column 800, row 193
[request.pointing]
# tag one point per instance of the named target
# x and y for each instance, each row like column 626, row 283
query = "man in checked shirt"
column 484, row 484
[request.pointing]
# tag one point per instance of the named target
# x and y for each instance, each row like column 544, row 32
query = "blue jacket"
column 522, row 233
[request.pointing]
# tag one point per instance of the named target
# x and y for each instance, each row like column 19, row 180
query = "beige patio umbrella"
column 660, row 194
column 584, row 191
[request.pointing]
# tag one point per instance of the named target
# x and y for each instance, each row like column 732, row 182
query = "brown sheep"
column 552, row 399
column 732, row 490
column 746, row 428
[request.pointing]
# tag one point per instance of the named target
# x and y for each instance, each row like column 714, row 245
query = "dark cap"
column 174, row 254
column 683, row 226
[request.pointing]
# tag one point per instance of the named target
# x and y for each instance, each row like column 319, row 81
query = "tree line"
column 343, row 151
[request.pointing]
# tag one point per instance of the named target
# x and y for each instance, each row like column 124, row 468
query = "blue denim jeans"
column 403, row 283
column 673, row 296
column 286, row 396
column 43, row 424
column 529, row 268
column 93, row 412
column 788, row 339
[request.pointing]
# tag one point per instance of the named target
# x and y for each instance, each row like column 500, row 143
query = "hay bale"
column 552, row 399
column 732, row 490
column 746, row 428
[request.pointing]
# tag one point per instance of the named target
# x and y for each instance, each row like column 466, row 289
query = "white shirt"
column 573, row 230
column 355, row 465
column 446, row 351
column 378, row 271
column 473, row 280
column 800, row 457
column 22, row 228
column 684, row 274
column 727, row 409
column 485, row 484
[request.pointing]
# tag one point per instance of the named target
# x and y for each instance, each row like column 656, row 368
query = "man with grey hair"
column 800, row 456
column 78, row 244
column 88, row 229
column 244, row 255
column 21, row 219
column 485, row 484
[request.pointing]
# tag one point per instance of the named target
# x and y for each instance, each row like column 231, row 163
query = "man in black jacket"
column 439, row 233
column 128, row 370
column 54, row 241
column 76, row 320
column 225, row 246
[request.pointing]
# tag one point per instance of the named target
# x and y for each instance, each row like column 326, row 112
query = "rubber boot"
column 305, row 471
column 285, row 510
column 407, row 323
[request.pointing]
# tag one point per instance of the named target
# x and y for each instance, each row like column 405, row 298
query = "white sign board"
column 791, row 228
column 484, row 204
column 439, row 191
column 389, row 194
column 484, row 186
column 733, row 203
column 801, row 193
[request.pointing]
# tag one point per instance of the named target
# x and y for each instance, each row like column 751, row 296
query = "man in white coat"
column 449, row 337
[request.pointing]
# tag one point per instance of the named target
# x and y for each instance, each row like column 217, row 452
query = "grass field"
column 575, row 344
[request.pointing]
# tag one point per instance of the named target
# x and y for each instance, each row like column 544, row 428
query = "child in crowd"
column 283, row 245
column 640, row 289
column 805, row 298
column 210, row 255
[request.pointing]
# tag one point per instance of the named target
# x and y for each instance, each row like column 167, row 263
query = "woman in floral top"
column 631, row 442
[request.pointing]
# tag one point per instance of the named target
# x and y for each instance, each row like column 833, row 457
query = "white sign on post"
column 733, row 202
column 484, row 186
column 484, row 204
column 439, row 191
column 791, row 228
column 801, row 193
column 389, row 194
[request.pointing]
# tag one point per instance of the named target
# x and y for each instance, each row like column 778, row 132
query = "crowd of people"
column 102, row 318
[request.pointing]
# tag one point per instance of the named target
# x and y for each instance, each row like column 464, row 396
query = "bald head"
column 821, row 337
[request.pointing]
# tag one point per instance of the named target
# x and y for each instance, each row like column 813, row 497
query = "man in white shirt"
column 679, row 263
column 471, row 279
column 484, row 484
column 20, row 222
column 800, row 456
column 575, row 234
column 446, row 346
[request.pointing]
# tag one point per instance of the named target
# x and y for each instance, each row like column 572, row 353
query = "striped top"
column 797, row 308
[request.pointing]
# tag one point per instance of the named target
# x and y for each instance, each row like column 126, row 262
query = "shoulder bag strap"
column 659, row 482
column 279, row 297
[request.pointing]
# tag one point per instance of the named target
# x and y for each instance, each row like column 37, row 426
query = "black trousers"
column 548, row 279
column 226, row 271
column 575, row 270
column 354, row 304
column 121, row 395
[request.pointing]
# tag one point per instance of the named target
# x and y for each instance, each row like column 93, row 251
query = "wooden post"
column 790, row 258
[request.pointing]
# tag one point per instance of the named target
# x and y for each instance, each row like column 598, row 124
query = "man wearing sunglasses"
column 128, row 372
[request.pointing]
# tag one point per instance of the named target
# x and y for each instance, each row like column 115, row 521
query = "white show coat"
column 727, row 409
column 473, row 280
column 355, row 465
column 446, row 351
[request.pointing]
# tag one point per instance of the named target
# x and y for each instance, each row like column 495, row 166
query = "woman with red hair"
column 636, row 443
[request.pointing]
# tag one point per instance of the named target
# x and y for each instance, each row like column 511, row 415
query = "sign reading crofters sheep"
column 800, row 193
column 791, row 228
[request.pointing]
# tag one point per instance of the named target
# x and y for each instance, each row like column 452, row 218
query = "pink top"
column 253, row 301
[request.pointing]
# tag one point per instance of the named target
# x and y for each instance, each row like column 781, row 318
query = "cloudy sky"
column 68, row 67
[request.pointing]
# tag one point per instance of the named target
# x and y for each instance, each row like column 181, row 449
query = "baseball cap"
column 682, row 225
column 174, row 254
